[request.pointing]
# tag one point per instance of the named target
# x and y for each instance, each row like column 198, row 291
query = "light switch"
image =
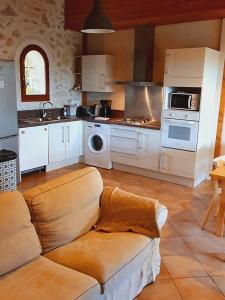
column 3, row 84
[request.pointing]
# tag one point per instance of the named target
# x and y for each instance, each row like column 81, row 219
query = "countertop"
column 23, row 123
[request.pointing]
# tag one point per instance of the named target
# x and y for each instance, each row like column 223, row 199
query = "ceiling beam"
column 130, row 13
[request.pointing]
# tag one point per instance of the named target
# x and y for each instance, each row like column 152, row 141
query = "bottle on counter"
column 65, row 111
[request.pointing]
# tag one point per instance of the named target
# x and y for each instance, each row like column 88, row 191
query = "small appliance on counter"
column 105, row 108
column 70, row 110
column 82, row 111
column 85, row 111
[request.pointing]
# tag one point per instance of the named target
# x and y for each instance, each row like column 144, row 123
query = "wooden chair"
column 217, row 163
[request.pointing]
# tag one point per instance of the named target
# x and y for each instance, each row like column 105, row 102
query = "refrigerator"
column 8, row 109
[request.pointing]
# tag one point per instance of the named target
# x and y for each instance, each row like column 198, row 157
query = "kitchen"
column 135, row 142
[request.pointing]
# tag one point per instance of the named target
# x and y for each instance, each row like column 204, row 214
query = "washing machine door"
column 96, row 143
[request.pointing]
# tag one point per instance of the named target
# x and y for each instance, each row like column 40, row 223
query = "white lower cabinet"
column 136, row 147
column 73, row 139
column 65, row 141
column 33, row 147
column 149, row 149
column 57, row 142
column 178, row 162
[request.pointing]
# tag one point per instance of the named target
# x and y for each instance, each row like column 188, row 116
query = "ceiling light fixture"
column 97, row 21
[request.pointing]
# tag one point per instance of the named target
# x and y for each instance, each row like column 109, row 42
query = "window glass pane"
column 35, row 80
column 179, row 133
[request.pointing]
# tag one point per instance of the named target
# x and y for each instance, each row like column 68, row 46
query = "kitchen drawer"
column 124, row 131
column 125, row 159
column 124, row 145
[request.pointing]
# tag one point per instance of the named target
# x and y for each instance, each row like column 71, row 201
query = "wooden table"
column 218, row 175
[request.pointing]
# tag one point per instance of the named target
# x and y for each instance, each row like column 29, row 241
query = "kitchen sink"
column 41, row 120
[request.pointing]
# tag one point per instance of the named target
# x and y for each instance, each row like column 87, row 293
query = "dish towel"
column 122, row 211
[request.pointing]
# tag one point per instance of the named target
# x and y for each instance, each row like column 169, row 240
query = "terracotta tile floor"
column 193, row 261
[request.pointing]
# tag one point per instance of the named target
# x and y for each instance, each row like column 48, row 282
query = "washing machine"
column 97, row 145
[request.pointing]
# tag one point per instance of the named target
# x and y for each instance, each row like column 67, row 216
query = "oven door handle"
column 179, row 122
column 189, row 102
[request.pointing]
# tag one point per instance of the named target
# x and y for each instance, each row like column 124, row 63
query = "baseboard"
column 62, row 164
column 157, row 175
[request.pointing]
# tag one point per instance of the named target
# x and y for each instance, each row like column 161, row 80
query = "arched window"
column 34, row 74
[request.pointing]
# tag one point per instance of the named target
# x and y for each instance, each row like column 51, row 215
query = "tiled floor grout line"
column 217, row 286
column 194, row 255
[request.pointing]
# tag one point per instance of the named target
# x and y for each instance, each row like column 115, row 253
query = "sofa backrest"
column 19, row 242
column 65, row 208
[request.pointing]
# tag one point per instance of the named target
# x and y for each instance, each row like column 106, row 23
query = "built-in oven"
column 180, row 133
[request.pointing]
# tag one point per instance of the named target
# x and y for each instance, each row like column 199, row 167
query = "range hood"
column 143, row 57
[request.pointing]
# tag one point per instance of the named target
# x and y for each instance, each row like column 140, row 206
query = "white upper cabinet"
column 149, row 149
column 97, row 73
column 33, row 147
column 184, row 67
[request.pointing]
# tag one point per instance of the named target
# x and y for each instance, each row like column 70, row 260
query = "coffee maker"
column 105, row 108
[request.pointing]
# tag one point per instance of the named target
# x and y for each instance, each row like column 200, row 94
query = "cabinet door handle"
column 63, row 137
column 129, row 154
column 162, row 161
column 167, row 63
column 23, row 132
column 102, row 81
column 45, row 129
column 68, row 133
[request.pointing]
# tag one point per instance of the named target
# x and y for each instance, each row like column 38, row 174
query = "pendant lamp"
column 97, row 21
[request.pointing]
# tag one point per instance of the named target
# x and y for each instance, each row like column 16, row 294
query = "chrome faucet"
column 44, row 113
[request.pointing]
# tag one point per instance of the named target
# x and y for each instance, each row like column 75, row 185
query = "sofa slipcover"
column 19, row 242
column 65, row 208
column 64, row 211
column 42, row 279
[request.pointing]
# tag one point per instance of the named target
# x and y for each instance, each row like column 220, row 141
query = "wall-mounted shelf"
column 78, row 74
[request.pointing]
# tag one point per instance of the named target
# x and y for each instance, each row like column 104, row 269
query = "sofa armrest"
column 161, row 215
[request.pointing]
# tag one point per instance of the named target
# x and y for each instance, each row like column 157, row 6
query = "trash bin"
column 7, row 170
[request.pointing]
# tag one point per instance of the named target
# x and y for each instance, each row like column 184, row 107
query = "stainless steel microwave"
column 184, row 101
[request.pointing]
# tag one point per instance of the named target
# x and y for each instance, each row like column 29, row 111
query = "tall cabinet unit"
column 193, row 68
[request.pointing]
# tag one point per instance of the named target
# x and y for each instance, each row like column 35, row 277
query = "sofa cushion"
column 43, row 279
column 66, row 207
column 19, row 242
column 100, row 255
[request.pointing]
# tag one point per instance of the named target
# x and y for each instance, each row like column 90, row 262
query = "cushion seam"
column 43, row 192
column 127, row 262
column 36, row 222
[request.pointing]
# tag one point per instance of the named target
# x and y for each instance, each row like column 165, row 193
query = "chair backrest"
column 65, row 208
column 19, row 242
column 219, row 162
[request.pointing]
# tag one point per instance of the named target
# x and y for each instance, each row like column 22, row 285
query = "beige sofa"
column 77, row 262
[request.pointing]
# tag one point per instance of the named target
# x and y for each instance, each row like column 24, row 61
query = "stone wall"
column 42, row 21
